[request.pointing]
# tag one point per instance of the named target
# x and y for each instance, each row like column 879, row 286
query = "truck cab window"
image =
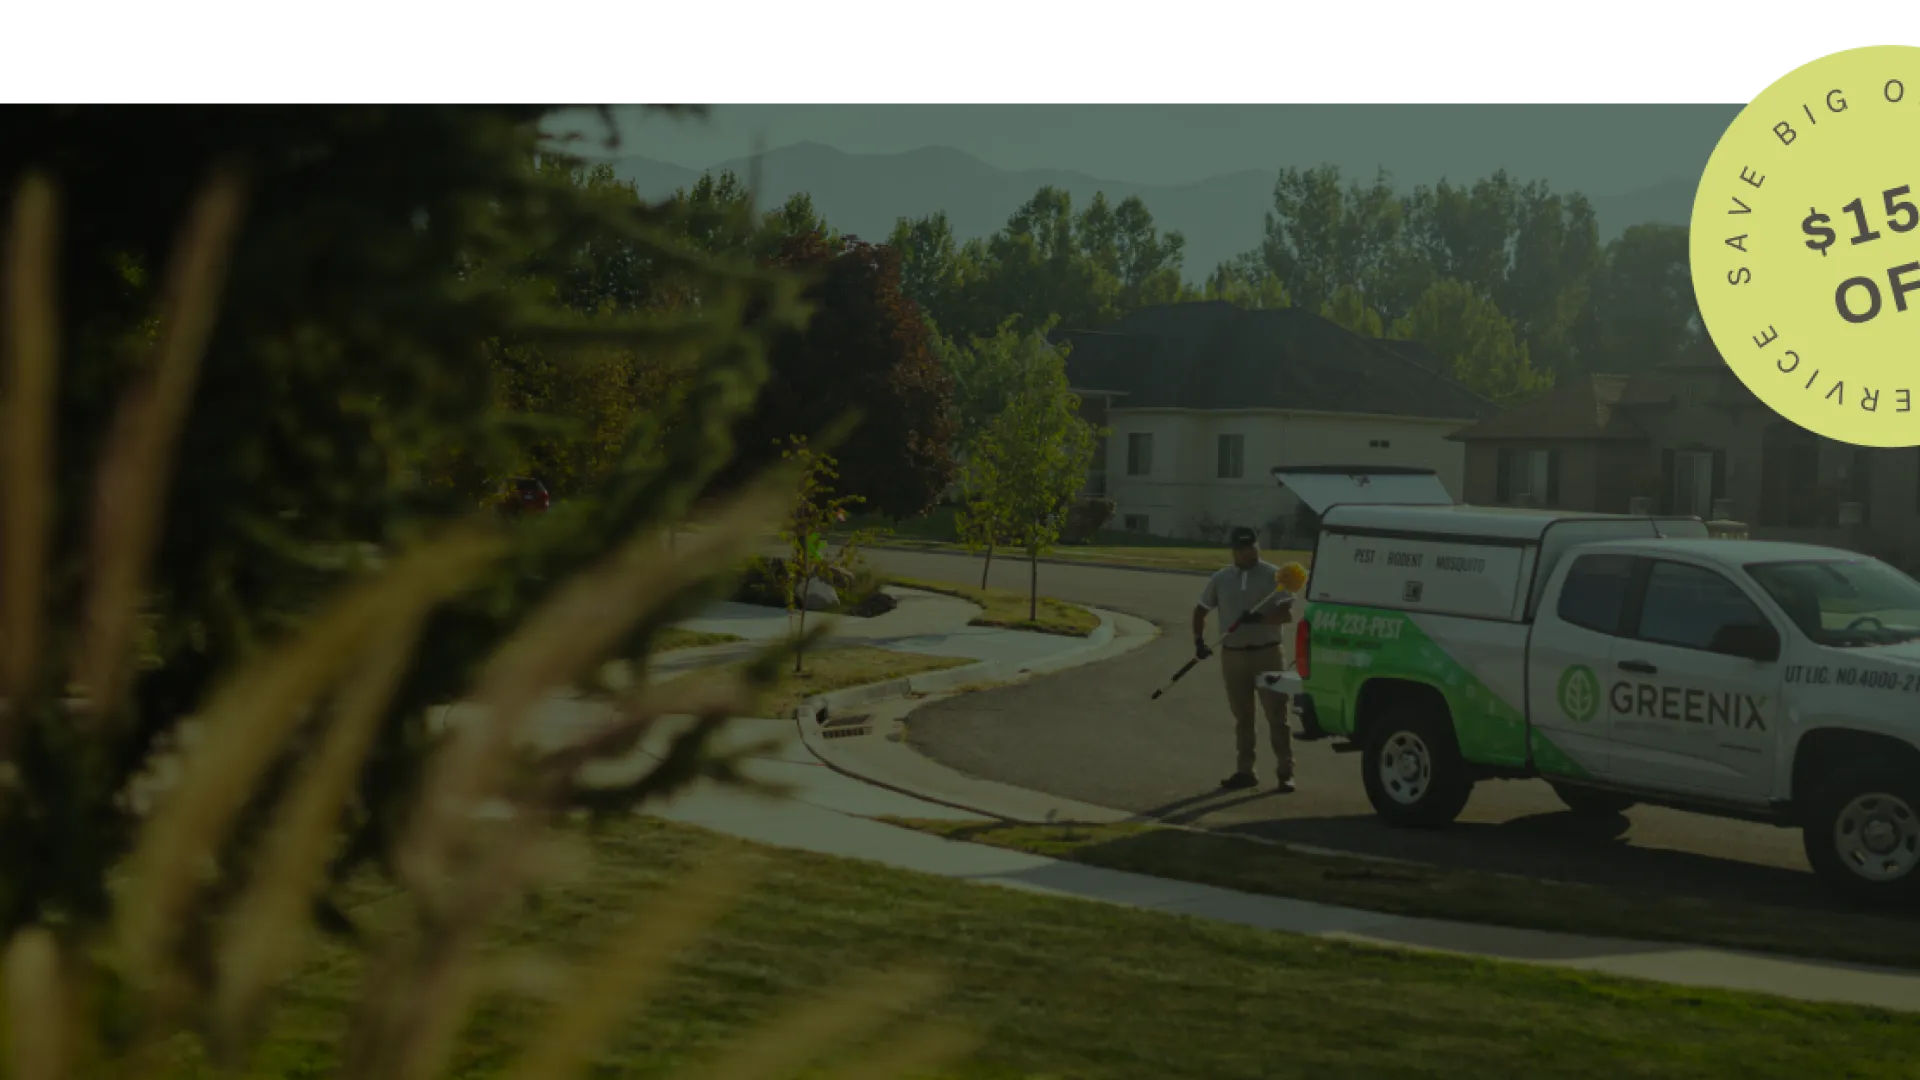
column 1688, row 606
column 1595, row 592
column 1844, row 602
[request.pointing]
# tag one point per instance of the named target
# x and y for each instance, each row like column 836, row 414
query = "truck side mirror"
column 1754, row 641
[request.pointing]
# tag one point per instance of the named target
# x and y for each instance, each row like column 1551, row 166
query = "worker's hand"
column 1281, row 614
column 1200, row 650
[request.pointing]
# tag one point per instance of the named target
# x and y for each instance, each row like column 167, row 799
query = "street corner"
column 869, row 745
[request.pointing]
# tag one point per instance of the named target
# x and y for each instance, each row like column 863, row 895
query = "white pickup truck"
column 1626, row 660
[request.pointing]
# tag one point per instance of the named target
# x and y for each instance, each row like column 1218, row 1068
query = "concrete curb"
column 933, row 682
column 941, row 685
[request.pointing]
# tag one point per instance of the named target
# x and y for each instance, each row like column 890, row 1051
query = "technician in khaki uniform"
column 1248, row 651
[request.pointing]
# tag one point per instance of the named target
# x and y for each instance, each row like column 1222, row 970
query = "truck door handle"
column 1640, row 666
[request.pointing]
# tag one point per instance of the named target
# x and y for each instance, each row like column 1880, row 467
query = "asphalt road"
column 1093, row 734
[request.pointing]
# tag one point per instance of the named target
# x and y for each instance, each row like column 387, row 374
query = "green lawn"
column 836, row 666
column 675, row 638
column 1195, row 559
column 1062, row 988
column 1007, row 608
column 1185, row 558
column 1231, row 862
column 1109, row 547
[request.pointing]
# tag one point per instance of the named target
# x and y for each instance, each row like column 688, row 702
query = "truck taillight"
column 1302, row 646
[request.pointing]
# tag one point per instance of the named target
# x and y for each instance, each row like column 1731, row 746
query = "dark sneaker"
column 1284, row 785
column 1239, row 781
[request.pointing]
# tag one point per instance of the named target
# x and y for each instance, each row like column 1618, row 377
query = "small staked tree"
column 979, row 523
column 816, row 510
column 989, row 375
column 1032, row 461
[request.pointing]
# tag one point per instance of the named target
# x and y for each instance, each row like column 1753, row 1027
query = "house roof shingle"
column 1215, row 356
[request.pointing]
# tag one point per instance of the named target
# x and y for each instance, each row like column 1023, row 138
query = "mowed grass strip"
column 674, row 639
column 831, row 666
column 1231, row 862
column 1199, row 560
column 1193, row 560
column 1057, row 987
column 1007, row 608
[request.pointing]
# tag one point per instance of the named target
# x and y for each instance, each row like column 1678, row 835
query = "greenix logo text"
column 1689, row 704
column 1579, row 694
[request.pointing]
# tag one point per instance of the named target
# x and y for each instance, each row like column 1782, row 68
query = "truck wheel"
column 1591, row 802
column 1862, row 834
column 1412, row 770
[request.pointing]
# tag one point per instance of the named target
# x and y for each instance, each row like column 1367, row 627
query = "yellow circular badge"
column 1805, row 246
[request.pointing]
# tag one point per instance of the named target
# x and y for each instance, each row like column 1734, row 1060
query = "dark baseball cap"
column 1244, row 537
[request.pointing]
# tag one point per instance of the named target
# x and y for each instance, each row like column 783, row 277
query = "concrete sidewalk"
column 931, row 623
column 831, row 814
column 829, row 809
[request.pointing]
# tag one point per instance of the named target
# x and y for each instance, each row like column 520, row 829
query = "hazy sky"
column 1604, row 149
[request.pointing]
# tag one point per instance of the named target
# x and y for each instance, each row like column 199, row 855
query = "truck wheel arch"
column 1378, row 695
column 1822, row 751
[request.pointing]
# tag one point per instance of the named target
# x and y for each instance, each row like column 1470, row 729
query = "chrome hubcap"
column 1406, row 768
column 1878, row 837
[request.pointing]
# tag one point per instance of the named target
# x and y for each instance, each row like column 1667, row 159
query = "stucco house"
column 1204, row 400
column 1692, row 439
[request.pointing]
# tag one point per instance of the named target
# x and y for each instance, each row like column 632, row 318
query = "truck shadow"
column 1218, row 874
column 1562, row 847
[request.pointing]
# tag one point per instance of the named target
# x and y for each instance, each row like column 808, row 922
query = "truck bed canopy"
column 1512, row 551
column 1321, row 486
column 1458, row 520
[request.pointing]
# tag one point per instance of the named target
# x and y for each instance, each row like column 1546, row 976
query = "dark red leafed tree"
column 866, row 351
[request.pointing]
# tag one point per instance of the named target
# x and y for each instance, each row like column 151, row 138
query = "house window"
column 1134, row 523
column 1857, row 485
column 1527, row 478
column 1140, row 453
column 1693, row 483
column 1233, row 457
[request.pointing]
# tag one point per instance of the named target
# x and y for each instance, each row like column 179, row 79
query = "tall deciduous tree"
column 930, row 265
column 990, row 373
column 1476, row 341
column 1321, row 235
column 1035, row 269
column 1532, row 252
column 1348, row 307
column 1245, row 282
column 1126, row 245
column 1643, row 310
column 866, row 352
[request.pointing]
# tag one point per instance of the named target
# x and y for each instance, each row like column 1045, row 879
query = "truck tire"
column 1413, row 771
column 1862, row 833
column 1592, row 802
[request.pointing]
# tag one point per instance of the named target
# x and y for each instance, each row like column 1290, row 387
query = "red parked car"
column 525, row 495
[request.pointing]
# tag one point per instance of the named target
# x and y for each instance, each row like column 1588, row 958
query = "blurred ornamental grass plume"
column 213, row 906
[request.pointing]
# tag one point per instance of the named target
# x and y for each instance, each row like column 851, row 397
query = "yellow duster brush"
column 1293, row 578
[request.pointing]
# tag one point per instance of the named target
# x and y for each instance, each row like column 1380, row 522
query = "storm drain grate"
column 846, row 727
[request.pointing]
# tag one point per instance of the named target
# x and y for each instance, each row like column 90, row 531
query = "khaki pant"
column 1241, row 669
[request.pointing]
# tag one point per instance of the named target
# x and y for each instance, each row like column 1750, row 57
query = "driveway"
column 1092, row 734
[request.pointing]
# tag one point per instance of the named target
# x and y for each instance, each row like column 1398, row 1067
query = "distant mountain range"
column 864, row 194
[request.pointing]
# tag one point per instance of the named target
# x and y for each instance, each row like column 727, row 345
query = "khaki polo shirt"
column 1232, row 591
